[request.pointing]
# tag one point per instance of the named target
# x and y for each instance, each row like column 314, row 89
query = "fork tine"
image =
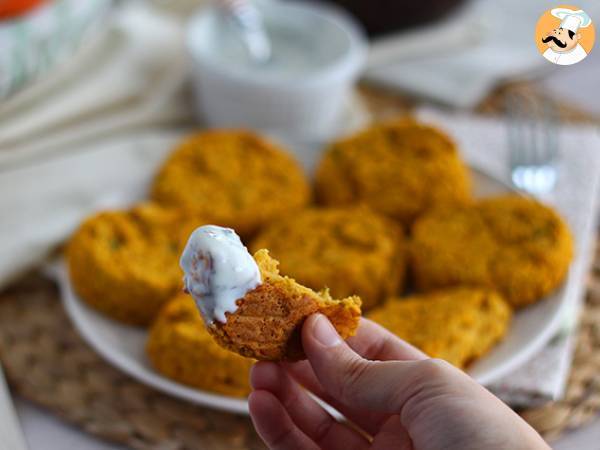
column 528, row 144
column 532, row 129
column 537, row 147
column 514, row 132
column 517, row 138
column 514, row 128
column 552, row 123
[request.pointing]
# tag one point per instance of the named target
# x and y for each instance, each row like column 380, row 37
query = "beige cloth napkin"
column 61, row 141
column 126, row 79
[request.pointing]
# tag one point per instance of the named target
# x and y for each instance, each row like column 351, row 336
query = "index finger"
column 375, row 343
column 372, row 342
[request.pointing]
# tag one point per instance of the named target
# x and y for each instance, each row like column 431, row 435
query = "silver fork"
column 532, row 131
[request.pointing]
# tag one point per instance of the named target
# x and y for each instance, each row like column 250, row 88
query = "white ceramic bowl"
column 298, row 104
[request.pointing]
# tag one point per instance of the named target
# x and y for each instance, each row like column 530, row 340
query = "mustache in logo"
column 555, row 40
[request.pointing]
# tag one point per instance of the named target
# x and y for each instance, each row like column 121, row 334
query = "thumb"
column 383, row 386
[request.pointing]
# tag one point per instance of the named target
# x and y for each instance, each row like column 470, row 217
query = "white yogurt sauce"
column 293, row 54
column 302, row 42
column 218, row 271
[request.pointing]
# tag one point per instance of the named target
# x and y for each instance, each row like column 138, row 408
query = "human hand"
column 395, row 395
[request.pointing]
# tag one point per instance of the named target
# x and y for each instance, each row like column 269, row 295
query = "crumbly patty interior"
column 268, row 321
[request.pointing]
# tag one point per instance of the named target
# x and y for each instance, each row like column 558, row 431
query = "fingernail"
column 324, row 332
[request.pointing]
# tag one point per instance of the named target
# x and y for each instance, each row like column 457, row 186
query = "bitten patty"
column 268, row 321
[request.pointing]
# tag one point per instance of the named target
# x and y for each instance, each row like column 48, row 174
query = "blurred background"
column 94, row 93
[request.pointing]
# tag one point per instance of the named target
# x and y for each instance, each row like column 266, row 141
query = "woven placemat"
column 581, row 402
column 48, row 363
column 383, row 103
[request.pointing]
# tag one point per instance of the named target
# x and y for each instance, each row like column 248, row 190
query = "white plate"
column 123, row 346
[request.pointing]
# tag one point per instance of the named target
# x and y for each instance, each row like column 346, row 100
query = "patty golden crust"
column 125, row 263
column 269, row 318
column 234, row 178
column 180, row 348
column 400, row 168
column 511, row 243
column 350, row 251
column 458, row 325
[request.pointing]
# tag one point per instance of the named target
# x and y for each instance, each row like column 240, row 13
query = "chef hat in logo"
column 572, row 20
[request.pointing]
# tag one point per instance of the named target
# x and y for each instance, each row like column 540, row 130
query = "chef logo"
column 565, row 35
